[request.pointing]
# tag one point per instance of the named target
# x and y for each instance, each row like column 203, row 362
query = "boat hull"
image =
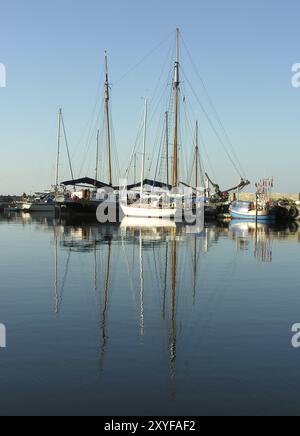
column 85, row 207
column 36, row 207
column 134, row 222
column 250, row 216
column 141, row 212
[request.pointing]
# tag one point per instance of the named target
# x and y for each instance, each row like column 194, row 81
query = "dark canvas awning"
column 149, row 182
column 96, row 183
column 86, row 181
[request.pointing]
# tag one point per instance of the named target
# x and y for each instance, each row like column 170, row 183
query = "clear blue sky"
column 53, row 52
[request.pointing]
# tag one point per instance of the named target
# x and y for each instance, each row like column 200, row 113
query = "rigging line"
column 143, row 59
column 155, row 106
column 89, row 140
column 189, row 129
column 158, row 103
column 155, row 265
column 189, row 117
column 67, row 146
column 156, row 88
column 154, row 109
column 93, row 128
column 168, row 75
column 160, row 152
column 134, row 148
column 114, row 146
column 181, row 148
column 213, row 128
column 218, row 118
column 209, row 164
column 65, row 278
column 89, row 122
column 193, row 165
column 157, row 140
column 130, row 273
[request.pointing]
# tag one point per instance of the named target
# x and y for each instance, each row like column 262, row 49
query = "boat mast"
column 167, row 145
column 172, row 333
column 108, row 133
column 97, row 157
column 105, row 304
column 144, row 147
column 197, row 153
column 142, row 294
column 134, row 181
column 176, row 113
column 58, row 148
column 56, row 272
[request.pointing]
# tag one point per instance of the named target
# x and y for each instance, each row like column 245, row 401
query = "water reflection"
column 161, row 267
column 262, row 236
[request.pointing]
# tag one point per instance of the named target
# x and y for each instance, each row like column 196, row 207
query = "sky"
column 53, row 53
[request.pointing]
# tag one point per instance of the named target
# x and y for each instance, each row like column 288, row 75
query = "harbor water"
column 127, row 320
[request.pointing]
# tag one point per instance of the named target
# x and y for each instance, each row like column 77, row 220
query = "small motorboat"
column 246, row 210
column 41, row 203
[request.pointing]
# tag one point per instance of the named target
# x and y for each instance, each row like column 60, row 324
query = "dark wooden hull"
column 84, row 207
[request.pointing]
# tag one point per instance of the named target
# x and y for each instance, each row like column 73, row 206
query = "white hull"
column 144, row 212
column 38, row 207
column 250, row 215
column 147, row 223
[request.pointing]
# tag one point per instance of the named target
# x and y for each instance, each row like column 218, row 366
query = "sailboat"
column 148, row 206
column 45, row 202
column 167, row 204
column 92, row 192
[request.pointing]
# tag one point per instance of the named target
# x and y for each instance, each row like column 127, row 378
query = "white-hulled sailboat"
column 46, row 201
column 168, row 204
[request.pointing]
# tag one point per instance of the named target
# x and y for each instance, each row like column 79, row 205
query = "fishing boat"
column 260, row 210
column 246, row 210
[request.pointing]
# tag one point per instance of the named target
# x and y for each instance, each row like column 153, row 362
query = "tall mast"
column 172, row 334
column 176, row 112
column 144, row 146
column 197, row 154
column 105, row 305
column 56, row 272
column 58, row 147
column 67, row 145
column 167, row 146
column 108, row 133
column 97, row 156
column 142, row 314
column 134, row 176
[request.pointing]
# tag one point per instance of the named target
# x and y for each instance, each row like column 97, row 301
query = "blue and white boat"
column 246, row 210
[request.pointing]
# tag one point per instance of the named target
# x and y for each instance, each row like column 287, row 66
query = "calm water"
column 129, row 321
